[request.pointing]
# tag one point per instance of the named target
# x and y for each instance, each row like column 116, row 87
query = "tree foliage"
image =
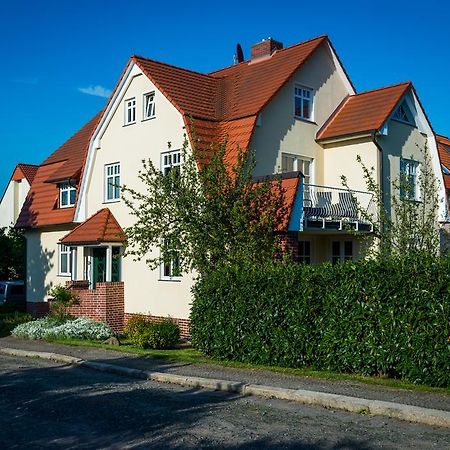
column 12, row 254
column 206, row 212
column 406, row 218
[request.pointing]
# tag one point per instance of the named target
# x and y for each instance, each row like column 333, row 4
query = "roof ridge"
column 172, row 65
column 322, row 36
column 28, row 164
column 405, row 83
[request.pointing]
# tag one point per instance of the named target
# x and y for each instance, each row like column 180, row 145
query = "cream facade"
column 12, row 201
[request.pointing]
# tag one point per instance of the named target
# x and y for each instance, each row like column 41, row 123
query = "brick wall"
column 289, row 244
column 37, row 309
column 182, row 323
column 105, row 303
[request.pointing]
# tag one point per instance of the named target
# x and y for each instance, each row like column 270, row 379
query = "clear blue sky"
column 52, row 51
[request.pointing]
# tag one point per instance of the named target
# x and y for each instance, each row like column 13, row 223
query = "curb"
column 400, row 411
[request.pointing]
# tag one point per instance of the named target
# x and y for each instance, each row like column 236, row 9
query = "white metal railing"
column 326, row 202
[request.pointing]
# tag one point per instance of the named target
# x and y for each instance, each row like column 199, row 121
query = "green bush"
column 9, row 321
column 145, row 333
column 388, row 317
column 62, row 299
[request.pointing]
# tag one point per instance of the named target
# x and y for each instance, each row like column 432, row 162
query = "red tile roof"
column 41, row 205
column 101, row 227
column 27, row 171
column 363, row 113
column 443, row 144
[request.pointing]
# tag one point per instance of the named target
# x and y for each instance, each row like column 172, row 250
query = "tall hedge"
column 387, row 317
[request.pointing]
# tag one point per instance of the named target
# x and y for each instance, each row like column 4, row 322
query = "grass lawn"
column 190, row 355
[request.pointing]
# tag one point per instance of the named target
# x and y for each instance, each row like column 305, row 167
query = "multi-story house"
column 295, row 107
column 15, row 193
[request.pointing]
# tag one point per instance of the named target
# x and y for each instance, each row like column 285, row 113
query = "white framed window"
column 303, row 102
column 112, row 182
column 341, row 251
column 409, row 170
column 65, row 260
column 67, row 195
column 149, row 106
column 130, row 111
column 170, row 160
column 292, row 163
column 403, row 114
column 171, row 269
column 304, row 252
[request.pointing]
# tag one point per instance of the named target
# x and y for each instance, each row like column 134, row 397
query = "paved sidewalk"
column 246, row 376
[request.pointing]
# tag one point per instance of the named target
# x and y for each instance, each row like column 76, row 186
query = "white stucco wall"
column 129, row 145
column 12, row 201
column 281, row 132
column 42, row 262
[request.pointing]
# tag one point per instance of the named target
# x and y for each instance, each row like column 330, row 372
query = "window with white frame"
column 303, row 103
column 341, row 251
column 149, row 105
column 304, row 252
column 112, row 182
column 65, row 260
column 170, row 161
column 67, row 195
column 130, row 111
column 409, row 171
column 403, row 114
column 291, row 163
column 171, row 269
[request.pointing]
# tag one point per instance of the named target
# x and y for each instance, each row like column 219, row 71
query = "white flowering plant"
column 49, row 328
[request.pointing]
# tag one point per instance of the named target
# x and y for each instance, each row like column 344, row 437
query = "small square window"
column 67, row 195
column 149, row 106
column 130, row 111
column 112, row 182
column 303, row 103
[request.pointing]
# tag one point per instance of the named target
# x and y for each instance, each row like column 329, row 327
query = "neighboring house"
column 296, row 107
column 15, row 193
column 444, row 156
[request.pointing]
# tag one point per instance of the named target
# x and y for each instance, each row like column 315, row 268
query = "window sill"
column 176, row 280
column 66, row 275
column 107, row 202
column 302, row 119
column 128, row 124
column 66, row 207
column 146, row 119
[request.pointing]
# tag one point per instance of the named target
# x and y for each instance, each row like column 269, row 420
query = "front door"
column 99, row 269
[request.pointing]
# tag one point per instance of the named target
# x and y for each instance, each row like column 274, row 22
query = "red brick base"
column 184, row 324
column 38, row 309
column 104, row 304
column 289, row 244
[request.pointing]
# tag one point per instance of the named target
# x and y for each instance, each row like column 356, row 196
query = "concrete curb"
column 400, row 411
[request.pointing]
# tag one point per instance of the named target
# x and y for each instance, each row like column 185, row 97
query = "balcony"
column 330, row 208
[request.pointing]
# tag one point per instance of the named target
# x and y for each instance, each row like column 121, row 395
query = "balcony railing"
column 322, row 204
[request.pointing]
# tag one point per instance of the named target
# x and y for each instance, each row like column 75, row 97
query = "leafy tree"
column 206, row 212
column 406, row 220
column 12, row 254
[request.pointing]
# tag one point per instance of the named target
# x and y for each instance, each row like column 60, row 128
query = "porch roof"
column 101, row 227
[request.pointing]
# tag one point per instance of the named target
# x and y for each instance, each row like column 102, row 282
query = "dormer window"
column 445, row 170
column 149, row 106
column 403, row 114
column 130, row 111
column 67, row 195
column 303, row 103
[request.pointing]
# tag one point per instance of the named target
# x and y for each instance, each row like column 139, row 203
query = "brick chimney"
column 265, row 48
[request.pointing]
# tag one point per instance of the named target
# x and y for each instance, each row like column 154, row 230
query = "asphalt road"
column 47, row 405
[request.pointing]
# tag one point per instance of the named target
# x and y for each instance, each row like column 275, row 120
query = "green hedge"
column 388, row 318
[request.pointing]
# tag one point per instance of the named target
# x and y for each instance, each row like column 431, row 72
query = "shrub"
column 145, row 333
column 9, row 321
column 55, row 328
column 62, row 299
column 387, row 317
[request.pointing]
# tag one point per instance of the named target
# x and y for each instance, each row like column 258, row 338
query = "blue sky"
column 59, row 58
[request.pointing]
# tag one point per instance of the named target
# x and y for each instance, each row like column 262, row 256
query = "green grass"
column 190, row 355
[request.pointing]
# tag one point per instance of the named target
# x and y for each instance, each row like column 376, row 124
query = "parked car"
column 12, row 293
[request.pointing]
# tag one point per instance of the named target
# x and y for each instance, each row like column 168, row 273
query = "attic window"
column 130, row 111
column 303, row 103
column 403, row 114
column 149, row 105
column 67, row 195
